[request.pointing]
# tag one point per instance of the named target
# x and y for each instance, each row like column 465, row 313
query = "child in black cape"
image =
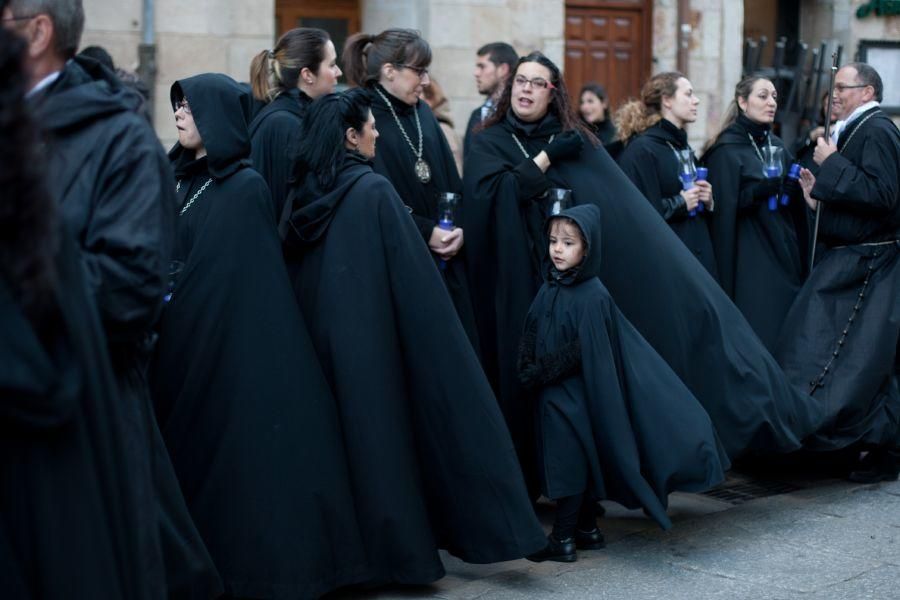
column 612, row 418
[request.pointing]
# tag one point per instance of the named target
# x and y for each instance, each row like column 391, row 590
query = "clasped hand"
column 446, row 244
column 700, row 192
column 824, row 149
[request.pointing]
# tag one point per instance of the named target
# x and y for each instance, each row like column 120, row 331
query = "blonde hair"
column 275, row 71
column 742, row 90
column 636, row 116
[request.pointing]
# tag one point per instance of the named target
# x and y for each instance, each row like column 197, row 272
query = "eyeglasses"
column 419, row 71
column 183, row 104
column 538, row 82
column 840, row 87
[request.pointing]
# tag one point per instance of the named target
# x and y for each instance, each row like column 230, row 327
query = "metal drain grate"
column 742, row 490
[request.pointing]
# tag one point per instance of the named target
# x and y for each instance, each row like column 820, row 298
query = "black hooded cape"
column 74, row 475
column 653, row 167
column 758, row 251
column 244, row 408
column 396, row 161
column 656, row 283
column 854, row 287
column 430, row 457
column 110, row 178
column 624, row 425
column 274, row 134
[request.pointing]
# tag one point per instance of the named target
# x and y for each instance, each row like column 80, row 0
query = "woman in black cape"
column 613, row 420
column 242, row 403
column 594, row 108
column 74, row 476
column 301, row 67
column 656, row 282
column 653, row 129
column 415, row 156
column 758, row 250
column 430, row 458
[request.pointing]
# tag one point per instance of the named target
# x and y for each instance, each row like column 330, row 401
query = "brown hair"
column 275, row 71
column 635, row 116
column 560, row 103
column 742, row 90
column 365, row 54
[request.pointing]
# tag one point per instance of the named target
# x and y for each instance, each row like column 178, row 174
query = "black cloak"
column 109, row 176
column 656, row 283
column 430, row 458
column 74, row 475
column 396, row 161
column 652, row 166
column 847, row 315
column 758, row 254
column 274, row 134
column 242, row 403
column 623, row 423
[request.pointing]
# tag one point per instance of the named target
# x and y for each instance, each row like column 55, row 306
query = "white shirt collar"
column 841, row 125
column 43, row 83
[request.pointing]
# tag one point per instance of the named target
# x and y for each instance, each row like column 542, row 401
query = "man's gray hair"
column 67, row 17
column 867, row 75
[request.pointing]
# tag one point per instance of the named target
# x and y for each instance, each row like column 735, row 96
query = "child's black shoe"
column 589, row 540
column 556, row 550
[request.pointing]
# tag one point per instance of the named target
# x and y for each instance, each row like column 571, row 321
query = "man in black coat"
column 496, row 61
column 111, row 181
column 840, row 340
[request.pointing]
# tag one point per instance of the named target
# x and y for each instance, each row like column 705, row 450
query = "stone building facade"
column 223, row 36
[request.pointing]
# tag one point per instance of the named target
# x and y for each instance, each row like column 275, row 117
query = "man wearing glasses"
column 112, row 184
column 841, row 336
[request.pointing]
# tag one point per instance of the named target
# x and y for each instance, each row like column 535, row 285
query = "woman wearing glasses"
column 413, row 152
column 535, row 142
column 301, row 67
column 657, row 153
column 757, row 241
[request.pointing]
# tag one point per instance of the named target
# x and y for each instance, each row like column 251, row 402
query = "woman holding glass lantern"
column 661, row 163
column 759, row 228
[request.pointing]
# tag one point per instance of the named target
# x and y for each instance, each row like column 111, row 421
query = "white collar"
column 43, row 83
column 840, row 126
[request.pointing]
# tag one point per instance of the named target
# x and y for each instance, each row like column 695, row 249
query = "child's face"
column 566, row 247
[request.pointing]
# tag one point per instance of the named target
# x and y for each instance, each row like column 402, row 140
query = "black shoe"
column 601, row 510
column 589, row 540
column 556, row 550
column 878, row 465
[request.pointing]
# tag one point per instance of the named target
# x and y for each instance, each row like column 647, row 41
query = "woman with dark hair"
column 301, row 67
column 757, row 245
column 656, row 148
column 77, row 513
column 593, row 106
column 414, row 156
column 431, row 462
column 534, row 143
column 243, row 406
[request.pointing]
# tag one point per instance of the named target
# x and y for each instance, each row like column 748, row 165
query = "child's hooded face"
column 566, row 244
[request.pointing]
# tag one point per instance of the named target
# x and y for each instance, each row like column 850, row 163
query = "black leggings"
column 574, row 511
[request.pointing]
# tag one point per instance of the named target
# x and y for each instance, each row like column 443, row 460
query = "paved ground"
column 827, row 540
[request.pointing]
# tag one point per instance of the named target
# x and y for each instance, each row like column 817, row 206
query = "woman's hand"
column 446, row 244
column 691, row 197
column 705, row 192
column 807, row 181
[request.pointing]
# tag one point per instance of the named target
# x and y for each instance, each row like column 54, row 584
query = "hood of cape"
column 84, row 92
column 220, row 107
column 587, row 217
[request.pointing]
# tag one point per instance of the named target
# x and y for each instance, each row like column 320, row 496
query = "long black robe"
column 625, row 425
column 430, row 458
column 396, row 161
column 653, row 167
column 656, row 283
column 758, row 254
column 73, row 470
column 109, row 176
column 859, row 191
column 244, row 408
column 274, row 135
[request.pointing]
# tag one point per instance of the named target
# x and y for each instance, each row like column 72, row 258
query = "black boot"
column 880, row 464
column 556, row 550
column 589, row 540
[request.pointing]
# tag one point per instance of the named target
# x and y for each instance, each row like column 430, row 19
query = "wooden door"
column 340, row 18
column 608, row 43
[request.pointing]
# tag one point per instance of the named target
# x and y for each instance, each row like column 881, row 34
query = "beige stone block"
column 378, row 15
column 121, row 45
column 241, row 52
column 113, row 15
column 450, row 26
column 491, row 24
